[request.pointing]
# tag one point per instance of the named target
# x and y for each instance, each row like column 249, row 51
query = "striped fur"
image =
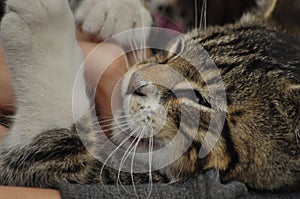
column 259, row 65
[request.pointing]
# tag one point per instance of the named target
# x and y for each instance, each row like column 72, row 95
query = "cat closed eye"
column 193, row 95
column 139, row 92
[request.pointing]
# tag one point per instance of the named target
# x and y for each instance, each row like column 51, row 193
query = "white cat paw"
column 41, row 50
column 102, row 19
column 37, row 11
column 35, row 22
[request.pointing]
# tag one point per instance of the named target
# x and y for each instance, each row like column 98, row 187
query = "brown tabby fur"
column 260, row 67
column 59, row 156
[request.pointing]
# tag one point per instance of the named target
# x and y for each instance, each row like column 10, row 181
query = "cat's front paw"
column 102, row 19
column 30, row 22
column 37, row 12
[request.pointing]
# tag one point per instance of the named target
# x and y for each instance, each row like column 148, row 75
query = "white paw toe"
column 14, row 36
column 102, row 19
column 39, row 11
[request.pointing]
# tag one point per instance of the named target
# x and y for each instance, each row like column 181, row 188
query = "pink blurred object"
column 166, row 22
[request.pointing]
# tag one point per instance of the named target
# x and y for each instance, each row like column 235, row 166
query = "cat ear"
column 285, row 13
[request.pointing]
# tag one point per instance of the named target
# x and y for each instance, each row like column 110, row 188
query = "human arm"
column 28, row 193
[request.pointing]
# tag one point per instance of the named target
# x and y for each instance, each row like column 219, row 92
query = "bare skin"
column 114, row 58
column 7, row 93
column 28, row 193
column 3, row 131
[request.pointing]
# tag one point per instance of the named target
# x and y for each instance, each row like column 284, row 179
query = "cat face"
column 171, row 107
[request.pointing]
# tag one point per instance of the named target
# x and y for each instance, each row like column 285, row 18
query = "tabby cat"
column 258, row 60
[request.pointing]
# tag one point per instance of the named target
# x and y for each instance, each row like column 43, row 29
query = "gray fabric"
column 206, row 186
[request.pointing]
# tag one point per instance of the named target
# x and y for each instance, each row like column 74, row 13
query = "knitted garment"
column 205, row 186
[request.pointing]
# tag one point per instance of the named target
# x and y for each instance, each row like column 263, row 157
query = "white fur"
column 104, row 18
column 38, row 38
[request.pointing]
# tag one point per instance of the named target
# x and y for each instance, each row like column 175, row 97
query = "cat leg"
column 38, row 38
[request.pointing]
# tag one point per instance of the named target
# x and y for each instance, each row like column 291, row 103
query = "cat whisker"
column 119, row 124
column 134, row 53
column 196, row 13
column 297, row 130
column 150, row 163
column 125, row 157
column 137, row 50
column 205, row 15
column 201, row 16
column 119, row 133
column 114, row 151
column 113, row 134
column 127, row 63
column 122, row 116
column 110, row 119
column 113, row 114
column 101, row 118
column 132, row 160
column 143, row 42
column 177, row 176
column 119, row 110
column 119, row 120
column 116, row 127
column 114, row 124
column 109, row 132
column 203, row 20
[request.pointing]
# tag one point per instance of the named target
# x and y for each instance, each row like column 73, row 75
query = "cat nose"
column 165, row 9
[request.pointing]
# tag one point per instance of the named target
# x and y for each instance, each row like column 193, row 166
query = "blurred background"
column 183, row 15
